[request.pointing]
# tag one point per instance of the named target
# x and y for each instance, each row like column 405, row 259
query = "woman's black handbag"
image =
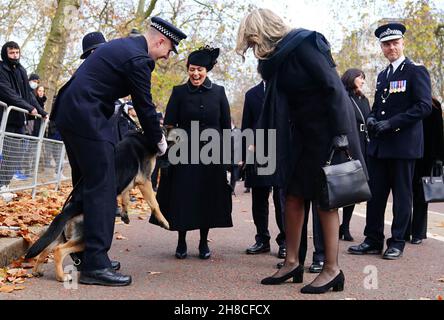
column 434, row 185
column 343, row 184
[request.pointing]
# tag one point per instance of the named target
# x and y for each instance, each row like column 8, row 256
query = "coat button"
column 383, row 112
column 201, row 107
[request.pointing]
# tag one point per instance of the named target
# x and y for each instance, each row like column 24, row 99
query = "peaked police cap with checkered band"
column 171, row 32
column 390, row 31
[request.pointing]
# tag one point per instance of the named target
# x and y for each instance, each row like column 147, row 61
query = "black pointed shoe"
column 364, row 248
column 181, row 252
column 297, row 274
column 392, row 254
column 259, row 247
column 345, row 234
column 104, row 277
column 204, row 251
column 337, row 284
column 416, row 241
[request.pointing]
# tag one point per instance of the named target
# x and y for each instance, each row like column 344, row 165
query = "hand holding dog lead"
column 162, row 146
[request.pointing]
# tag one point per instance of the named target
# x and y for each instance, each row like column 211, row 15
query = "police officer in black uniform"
column 403, row 98
column 84, row 112
column 262, row 185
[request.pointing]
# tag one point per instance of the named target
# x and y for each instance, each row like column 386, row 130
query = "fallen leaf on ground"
column 154, row 272
column 119, row 222
column 6, row 289
column 441, row 224
column 441, row 279
column 440, row 298
column 142, row 217
column 120, row 237
column 19, row 287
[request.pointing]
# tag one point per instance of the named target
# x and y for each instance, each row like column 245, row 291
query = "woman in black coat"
column 354, row 80
column 196, row 196
column 308, row 106
column 433, row 157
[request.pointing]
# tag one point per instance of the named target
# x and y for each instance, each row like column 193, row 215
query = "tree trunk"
column 50, row 66
column 142, row 14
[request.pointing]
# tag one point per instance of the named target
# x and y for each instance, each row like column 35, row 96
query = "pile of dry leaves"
column 24, row 212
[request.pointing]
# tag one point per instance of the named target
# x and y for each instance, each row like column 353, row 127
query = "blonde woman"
column 303, row 86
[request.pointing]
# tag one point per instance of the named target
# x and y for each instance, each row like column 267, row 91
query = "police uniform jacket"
column 85, row 105
column 253, row 105
column 404, row 100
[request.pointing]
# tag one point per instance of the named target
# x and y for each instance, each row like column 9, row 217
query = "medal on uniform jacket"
column 398, row 86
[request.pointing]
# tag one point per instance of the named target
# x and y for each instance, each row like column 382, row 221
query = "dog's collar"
column 207, row 84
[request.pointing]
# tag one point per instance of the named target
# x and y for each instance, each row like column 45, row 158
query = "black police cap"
column 167, row 29
column 390, row 31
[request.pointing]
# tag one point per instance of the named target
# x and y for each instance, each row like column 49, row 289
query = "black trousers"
column 318, row 238
column 385, row 175
column 260, row 213
column 98, row 185
column 417, row 227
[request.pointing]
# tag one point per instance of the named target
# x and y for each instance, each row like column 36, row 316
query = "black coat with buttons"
column 196, row 196
column 404, row 109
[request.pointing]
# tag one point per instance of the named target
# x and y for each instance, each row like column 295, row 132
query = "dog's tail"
column 55, row 229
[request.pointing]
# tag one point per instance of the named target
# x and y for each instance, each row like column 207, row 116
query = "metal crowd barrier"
column 28, row 162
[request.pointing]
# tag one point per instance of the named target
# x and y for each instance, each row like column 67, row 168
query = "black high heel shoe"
column 297, row 274
column 345, row 234
column 181, row 251
column 337, row 284
column 204, row 251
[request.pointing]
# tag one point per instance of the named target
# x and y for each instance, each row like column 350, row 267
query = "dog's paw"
column 124, row 217
column 37, row 274
column 65, row 278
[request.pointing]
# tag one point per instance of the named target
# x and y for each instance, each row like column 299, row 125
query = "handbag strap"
column 332, row 153
column 440, row 171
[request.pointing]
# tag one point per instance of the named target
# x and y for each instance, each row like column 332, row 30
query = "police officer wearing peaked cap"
column 402, row 99
column 83, row 112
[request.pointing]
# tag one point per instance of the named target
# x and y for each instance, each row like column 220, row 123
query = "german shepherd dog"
column 134, row 167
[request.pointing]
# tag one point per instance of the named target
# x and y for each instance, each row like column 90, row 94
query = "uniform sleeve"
column 315, row 57
column 225, row 116
column 246, row 114
column 10, row 97
column 421, row 100
column 139, row 81
column 172, row 117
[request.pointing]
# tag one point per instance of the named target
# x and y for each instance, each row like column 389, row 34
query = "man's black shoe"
column 316, row 267
column 104, row 277
column 282, row 253
column 259, row 247
column 392, row 254
column 416, row 241
column 364, row 248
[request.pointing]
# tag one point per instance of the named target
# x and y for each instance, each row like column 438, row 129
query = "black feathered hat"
column 204, row 57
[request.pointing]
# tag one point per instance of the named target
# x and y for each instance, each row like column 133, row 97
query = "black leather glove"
column 340, row 142
column 371, row 123
column 381, row 127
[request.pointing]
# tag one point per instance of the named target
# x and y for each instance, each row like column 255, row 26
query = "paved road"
column 231, row 274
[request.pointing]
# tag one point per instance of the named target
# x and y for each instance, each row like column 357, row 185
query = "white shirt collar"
column 397, row 63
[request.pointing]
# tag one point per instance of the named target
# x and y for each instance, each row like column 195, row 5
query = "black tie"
column 390, row 71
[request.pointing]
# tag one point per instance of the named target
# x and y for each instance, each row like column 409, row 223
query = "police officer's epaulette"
column 417, row 64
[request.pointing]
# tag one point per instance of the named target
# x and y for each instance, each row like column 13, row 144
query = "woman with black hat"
column 196, row 196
